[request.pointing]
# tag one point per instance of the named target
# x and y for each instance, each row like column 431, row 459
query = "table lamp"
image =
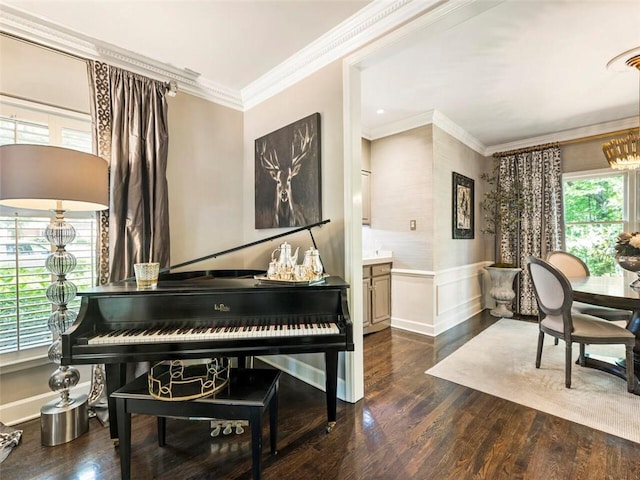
column 42, row 177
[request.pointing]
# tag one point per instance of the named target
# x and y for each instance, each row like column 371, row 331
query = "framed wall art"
column 287, row 175
column 463, row 206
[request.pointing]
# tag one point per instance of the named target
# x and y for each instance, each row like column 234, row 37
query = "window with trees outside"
column 598, row 206
column 24, row 308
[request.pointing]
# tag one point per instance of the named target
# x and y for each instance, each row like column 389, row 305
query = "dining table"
column 614, row 292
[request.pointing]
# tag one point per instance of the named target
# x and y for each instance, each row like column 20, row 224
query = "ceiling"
column 498, row 71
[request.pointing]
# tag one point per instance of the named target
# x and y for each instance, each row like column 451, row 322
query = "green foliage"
column 502, row 204
column 593, row 211
column 593, row 200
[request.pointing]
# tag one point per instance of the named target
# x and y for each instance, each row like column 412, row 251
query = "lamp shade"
column 42, row 177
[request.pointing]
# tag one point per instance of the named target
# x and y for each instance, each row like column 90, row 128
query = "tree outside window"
column 594, row 211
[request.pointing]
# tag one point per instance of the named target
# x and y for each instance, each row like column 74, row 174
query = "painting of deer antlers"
column 287, row 181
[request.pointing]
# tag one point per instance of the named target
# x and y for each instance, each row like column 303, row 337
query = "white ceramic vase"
column 502, row 289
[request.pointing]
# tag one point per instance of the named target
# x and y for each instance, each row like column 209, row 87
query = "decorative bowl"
column 632, row 264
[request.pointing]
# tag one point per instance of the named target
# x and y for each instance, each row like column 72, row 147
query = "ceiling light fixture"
column 624, row 152
column 380, row 111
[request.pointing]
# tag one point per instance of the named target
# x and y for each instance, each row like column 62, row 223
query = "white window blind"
column 24, row 308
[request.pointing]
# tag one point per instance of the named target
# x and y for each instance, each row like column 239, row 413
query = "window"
column 598, row 206
column 24, row 308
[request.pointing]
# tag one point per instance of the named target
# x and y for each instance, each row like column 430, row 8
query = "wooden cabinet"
column 376, row 293
column 366, row 197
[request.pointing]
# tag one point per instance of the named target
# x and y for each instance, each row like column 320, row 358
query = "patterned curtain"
column 130, row 115
column 101, row 120
column 536, row 174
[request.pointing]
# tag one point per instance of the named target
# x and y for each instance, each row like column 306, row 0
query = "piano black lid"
column 203, row 282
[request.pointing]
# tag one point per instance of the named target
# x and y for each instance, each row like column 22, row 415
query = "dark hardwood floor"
column 409, row 426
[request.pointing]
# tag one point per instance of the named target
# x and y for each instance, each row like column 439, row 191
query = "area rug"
column 500, row 361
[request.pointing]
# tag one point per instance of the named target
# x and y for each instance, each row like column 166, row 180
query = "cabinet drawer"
column 382, row 269
column 366, row 271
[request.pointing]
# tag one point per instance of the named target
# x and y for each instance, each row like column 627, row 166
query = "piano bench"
column 246, row 397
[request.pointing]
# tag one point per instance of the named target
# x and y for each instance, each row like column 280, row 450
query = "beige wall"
column 581, row 156
column 366, row 154
column 401, row 190
column 205, row 175
column 451, row 155
column 411, row 179
column 320, row 92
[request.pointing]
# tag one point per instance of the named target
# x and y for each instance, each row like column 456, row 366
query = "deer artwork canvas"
column 287, row 175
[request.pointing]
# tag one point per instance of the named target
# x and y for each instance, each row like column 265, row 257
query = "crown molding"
column 377, row 18
column 374, row 20
column 565, row 135
column 434, row 117
column 457, row 132
column 438, row 119
column 401, row 125
column 21, row 24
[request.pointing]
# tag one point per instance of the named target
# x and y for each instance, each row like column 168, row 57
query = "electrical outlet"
column 412, row 224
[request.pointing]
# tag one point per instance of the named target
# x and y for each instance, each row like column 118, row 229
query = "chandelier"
column 624, row 152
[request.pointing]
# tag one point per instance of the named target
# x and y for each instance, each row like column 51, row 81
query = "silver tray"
column 263, row 280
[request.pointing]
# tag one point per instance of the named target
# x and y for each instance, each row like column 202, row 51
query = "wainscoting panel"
column 412, row 302
column 431, row 303
column 459, row 295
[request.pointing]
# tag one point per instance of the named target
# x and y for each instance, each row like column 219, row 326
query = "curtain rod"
column 534, row 148
column 597, row 136
column 563, row 142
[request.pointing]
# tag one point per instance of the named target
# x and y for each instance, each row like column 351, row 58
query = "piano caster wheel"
column 116, row 442
column 330, row 426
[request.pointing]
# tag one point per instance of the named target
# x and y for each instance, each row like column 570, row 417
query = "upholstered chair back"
column 568, row 264
column 553, row 293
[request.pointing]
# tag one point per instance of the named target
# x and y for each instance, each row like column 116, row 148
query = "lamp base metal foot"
column 60, row 425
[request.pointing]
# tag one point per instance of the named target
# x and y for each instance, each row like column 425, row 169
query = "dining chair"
column 555, row 297
column 573, row 266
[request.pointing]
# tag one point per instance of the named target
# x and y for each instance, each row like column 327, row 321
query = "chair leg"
column 581, row 358
column 539, row 352
column 631, row 378
column 567, row 365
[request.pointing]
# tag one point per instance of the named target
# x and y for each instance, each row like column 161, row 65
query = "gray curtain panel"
column 137, row 141
column 537, row 174
column 129, row 115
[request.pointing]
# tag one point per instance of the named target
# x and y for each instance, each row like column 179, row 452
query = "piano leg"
column 331, row 388
column 116, row 377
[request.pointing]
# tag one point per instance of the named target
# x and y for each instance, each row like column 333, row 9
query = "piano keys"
column 264, row 327
column 208, row 313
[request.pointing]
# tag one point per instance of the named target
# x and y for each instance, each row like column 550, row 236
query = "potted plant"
column 502, row 206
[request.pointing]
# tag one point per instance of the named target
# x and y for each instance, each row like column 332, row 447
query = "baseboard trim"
column 303, row 371
column 27, row 409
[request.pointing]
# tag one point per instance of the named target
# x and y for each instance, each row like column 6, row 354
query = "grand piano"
column 202, row 314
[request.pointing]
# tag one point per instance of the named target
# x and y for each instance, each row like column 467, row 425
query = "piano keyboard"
column 232, row 331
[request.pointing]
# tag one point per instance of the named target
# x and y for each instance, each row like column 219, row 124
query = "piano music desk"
column 249, row 393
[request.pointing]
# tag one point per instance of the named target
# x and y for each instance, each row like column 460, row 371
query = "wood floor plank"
column 409, row 426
